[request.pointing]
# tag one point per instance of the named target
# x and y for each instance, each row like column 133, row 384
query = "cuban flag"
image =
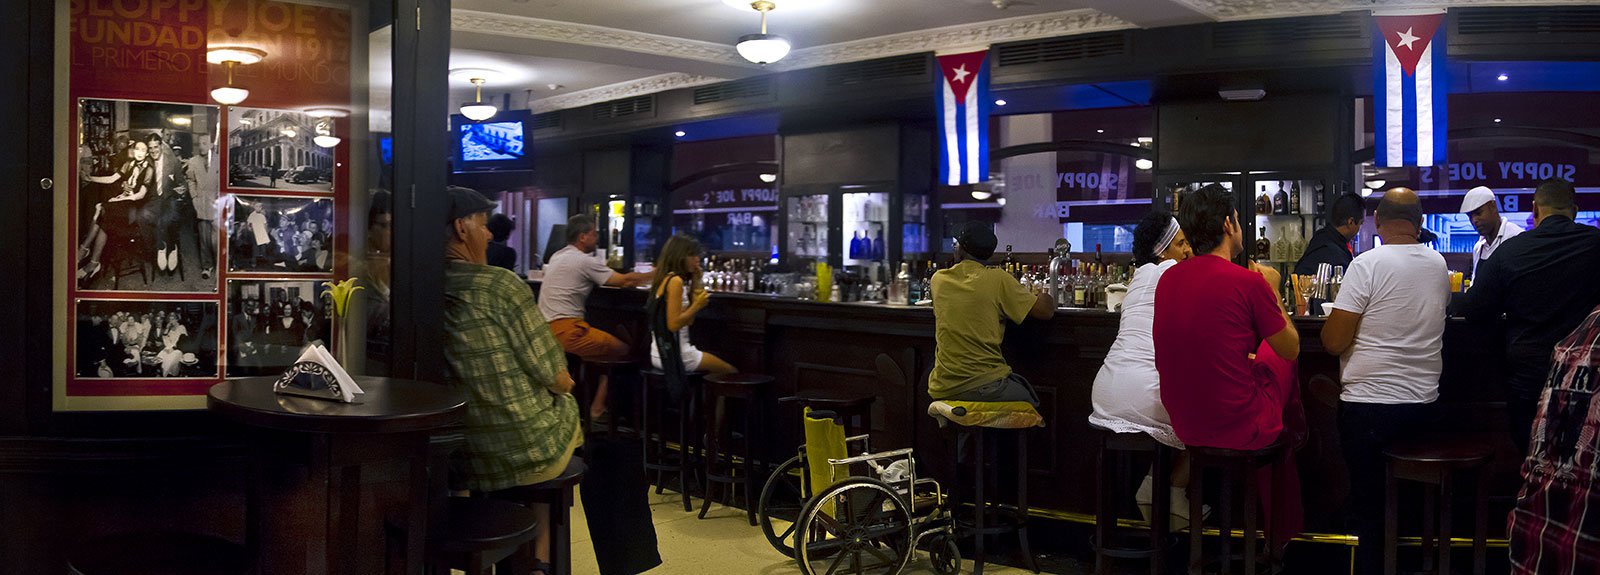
column 1410, row 89
column 964, row 103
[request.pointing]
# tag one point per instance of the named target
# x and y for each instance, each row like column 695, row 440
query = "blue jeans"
column 1013, row 388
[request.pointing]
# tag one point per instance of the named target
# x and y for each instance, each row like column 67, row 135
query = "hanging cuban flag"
column 964, row 103
column 1410, row 88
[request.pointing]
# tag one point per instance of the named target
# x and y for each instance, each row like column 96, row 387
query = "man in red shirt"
column 1211, row 316
column 1225, row 351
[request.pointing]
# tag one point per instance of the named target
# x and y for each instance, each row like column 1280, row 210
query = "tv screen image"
column 491, row 141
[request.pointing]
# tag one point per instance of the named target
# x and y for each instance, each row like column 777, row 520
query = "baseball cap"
column 978, row 240
column 1476, row 197
column 466, row 201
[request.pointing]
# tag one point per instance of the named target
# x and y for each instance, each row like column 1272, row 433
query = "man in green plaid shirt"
column 522, row 421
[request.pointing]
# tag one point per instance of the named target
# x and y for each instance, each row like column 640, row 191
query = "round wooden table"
column 339, row 487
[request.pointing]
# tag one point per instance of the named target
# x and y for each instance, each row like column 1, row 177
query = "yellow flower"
column 340, row 293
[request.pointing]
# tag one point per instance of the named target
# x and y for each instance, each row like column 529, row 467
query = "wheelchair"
column 839, row 507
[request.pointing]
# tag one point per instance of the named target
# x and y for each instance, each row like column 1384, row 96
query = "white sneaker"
column 1179, row 500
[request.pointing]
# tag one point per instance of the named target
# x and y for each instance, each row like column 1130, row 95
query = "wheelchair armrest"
column 871, row 457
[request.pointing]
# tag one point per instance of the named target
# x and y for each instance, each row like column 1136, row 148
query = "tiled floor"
column 723, row 543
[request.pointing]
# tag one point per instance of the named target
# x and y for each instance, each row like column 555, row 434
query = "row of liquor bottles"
column 1288, row 247
column 1287, row 201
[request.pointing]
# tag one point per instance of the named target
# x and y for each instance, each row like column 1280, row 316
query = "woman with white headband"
column 1127, row 391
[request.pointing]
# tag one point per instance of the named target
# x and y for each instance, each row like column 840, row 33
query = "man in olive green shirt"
column 521, row 421
column 970, row 302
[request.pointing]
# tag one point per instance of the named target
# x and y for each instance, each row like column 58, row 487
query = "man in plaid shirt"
column 1555, row 526
column 522, row 421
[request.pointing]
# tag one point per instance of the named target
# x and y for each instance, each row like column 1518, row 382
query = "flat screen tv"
column 494, row 145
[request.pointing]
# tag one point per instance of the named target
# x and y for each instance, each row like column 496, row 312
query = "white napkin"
column 319, row 355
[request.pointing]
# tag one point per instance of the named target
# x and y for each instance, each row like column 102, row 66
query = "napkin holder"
column 317, row 375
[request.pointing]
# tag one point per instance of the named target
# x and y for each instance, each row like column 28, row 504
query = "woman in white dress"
column 1127, row 391
column 677, row 284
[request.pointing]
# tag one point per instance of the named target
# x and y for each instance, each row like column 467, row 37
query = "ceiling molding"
column 1049, row 25
column 1261, row 9
column 607, row 93
column 596, row 36
column 991, row 32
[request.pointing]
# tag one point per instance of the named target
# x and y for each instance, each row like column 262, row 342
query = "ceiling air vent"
column 1530, row 21
column 635, row 106
column 757, row 87
column 545, row 121
column 1292, row 34
column 1067, row 48
column 856, row 73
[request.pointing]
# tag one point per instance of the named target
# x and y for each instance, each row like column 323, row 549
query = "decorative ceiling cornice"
column 587, row 35
column 607, row 93
column 992, row 32
column 1259, row 9
column 1049, row 25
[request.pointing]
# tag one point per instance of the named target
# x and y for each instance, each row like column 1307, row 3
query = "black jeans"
column 1522, row 400
column 1365, row 430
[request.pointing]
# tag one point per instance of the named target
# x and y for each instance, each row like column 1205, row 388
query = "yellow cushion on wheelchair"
column 824, row 441
column 996, row 414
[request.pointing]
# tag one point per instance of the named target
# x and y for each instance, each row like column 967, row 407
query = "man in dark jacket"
column 1543, row 282
column 1331, row 245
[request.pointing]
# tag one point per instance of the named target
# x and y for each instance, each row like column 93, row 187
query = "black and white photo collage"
column 199, row 252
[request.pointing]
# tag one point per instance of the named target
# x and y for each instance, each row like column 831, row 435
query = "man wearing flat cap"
column 522, row 421
column 1387, row 327
column 970, row 303
column 1481, row 207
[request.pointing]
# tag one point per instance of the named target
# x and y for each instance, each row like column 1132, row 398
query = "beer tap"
column 1058, row 264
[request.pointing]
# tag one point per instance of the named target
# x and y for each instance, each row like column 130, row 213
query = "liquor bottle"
column 1294, row 198
column 1281, row 201
column 880, row 250
column 1263, row 247
column 1099, row 259
column 1319, row 200
column 750, row 279
column 855, row 246
column 1263, row 204
column 901, row 285
column 1006, row 263
column 1280, row 248
column 1080, row 288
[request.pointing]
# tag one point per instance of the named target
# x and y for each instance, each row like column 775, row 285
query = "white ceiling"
column 605, row 49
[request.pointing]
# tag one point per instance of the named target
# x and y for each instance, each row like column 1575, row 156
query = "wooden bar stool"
column 990, row 517
column 557, row 493
column 476, row 534
column 655, row 404
column 749, row 389
column 1112, row 479
column 610, row 369
column 1233, row 466
column 160, row 554
column 1434, row 464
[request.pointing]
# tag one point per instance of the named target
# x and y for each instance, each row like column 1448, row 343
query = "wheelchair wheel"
column 782, row 500
column 867, row 531
column 944, row 554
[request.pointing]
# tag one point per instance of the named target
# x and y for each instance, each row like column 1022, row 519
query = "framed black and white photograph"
column 277, row 150
column 270, row 322
column 146, row 339
column 147, row 197
column 280, row 234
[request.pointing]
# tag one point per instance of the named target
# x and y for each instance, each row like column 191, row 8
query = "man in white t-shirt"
column 1387, row 326
column 569, row 276
column 1493, row 230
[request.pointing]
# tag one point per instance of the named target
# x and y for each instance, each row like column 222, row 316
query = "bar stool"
column 476, row 534
column 854, row 409
column 609, row 368
column 1434, row 464
column 1014, row 520
column 1121, row 447
column 160, row 554
column 655, row 403
column 557, row 493
column 750, row 389
column 1233, row 465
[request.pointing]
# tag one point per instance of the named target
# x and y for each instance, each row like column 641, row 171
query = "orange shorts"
column 585, row 341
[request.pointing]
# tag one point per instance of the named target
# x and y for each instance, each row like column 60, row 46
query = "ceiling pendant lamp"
column 478, row 111
column 763, row 48
column 228, row 57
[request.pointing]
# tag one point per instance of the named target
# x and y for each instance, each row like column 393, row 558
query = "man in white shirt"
column 569, row 276
column 1481, row 207
column 1387, row 326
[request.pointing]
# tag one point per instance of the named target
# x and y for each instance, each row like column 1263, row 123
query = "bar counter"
column 823, row 345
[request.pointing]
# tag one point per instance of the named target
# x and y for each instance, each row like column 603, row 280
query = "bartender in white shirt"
column 1481, row 207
